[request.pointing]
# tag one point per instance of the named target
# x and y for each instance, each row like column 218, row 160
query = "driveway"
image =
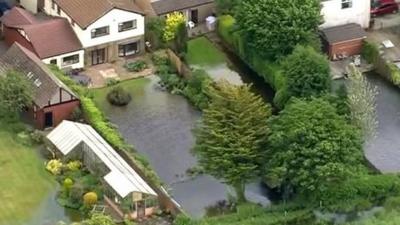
column 389, row 20
column 389, row 33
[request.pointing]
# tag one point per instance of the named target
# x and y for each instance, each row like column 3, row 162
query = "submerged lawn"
column 203, row 53
column 133, row 86
column 24, row 183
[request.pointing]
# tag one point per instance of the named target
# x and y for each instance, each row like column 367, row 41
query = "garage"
column 343, row 41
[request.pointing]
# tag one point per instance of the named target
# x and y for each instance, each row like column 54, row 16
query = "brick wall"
column 60, row 112
column 349, row 48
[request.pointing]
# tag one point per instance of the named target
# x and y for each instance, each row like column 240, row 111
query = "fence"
column 179, row 65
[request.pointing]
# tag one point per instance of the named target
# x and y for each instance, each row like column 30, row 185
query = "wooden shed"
column 343, row 41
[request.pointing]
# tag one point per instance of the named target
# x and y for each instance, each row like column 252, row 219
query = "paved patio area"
column 99, row 74
column 390, row 33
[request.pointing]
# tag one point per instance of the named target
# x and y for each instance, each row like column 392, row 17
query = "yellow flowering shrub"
column 171, row 25
column 54, row 166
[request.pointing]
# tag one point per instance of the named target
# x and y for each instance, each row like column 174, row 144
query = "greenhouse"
column 125, row 190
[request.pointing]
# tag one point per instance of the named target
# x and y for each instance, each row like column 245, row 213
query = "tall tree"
column 362, row 103
column 307, row 72
column 311, row 146
column 15, row 92
column 273, row 28
column 231, row 137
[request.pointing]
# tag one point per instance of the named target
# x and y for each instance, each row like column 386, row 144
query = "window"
column 347, row 4
column 58, row 10
column 128, row 25
column 53, row 4
column 101, row 31
column 72, row 23
column 128, row 49
column 69, row 60
column 53, row 61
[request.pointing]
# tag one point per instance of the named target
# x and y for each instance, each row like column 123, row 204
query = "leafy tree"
column 275, row 27
column 171, row 25
column 226, row 6
column 155, row 31
column 15, row 93
column 311, row 146
column 307, row 72
column 232, row 135
column 362, row 103
column 181, row 39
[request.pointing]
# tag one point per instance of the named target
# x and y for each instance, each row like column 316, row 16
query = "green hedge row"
column 95, row 117
column 360, row 193
column 271, row 72
column 389, row 70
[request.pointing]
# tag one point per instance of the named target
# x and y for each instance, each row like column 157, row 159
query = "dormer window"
column 58, row 10
column 101, row 31
column 127, row 25
column 37, row 82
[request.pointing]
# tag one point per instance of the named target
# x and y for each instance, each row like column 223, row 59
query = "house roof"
column 122, row 178
column 343, row 33
column 52, row 37
column 86, row 12
column 17, row 17
column 48, row 38
column 167, row 6
column 44, row 83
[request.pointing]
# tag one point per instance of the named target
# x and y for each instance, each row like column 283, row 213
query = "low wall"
column 179, row 65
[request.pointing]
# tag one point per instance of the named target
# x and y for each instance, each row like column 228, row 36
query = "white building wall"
column 334, row 15
column 59, row 59
column 30, row 5
column 111, row 19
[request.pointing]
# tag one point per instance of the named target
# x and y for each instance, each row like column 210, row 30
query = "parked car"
column 382, row 7
column 4, row 7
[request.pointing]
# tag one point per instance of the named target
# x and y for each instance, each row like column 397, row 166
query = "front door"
column 141, row 209
column 194, row 15
column 48, row 119
column 98, row 56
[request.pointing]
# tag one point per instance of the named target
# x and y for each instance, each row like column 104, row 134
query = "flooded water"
column 160, row 126
column 50, row 212
column 384, row 151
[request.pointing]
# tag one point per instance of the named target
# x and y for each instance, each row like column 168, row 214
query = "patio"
column 99, row 74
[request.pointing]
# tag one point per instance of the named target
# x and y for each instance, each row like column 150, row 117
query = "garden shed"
column 126, row 191
column 343, row 41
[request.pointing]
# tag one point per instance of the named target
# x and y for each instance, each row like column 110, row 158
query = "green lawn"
column 202, row 52
column 24, row 182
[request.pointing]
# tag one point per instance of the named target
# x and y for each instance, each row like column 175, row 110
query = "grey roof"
column 167, row 6
column 45, row 84
column 347, row 32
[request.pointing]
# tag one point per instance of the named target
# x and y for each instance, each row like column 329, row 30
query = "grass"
column 203, row 53
column 24, row 183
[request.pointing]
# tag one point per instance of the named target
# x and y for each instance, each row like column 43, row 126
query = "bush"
column 154, row 32
column 54, row 166
column 90, row 199
column 68, row 183
column 394, row 73
column 119, row 96
column 75, row 195
column 225, row 28
column 74, row 165
column 37, row 137
column 136, row 66
column 112, row 82
column 370, row 52
column 196, row 88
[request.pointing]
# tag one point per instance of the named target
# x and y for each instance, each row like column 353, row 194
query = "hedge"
column 107, row 130
column 271, row 72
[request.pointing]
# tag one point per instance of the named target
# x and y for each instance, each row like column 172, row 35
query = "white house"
column 340, row 12
column 32, row 5
column 107, row 29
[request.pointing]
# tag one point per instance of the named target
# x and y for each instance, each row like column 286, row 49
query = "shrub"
column 74, row 165
column 154, row 31
column 75, row 195
column 225, row 28
column 159, row 60
column 76, row 114
column 119, row 96
column 136, row 66
column 54, row 166
column 394, row 73
column 370, row 52
column 112, row 82
column 90, row 199
column 36, row 136
column 68, row 183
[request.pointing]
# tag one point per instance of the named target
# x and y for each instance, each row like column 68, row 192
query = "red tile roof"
column 48, row 37
column 86, row 12
column 17, row 16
